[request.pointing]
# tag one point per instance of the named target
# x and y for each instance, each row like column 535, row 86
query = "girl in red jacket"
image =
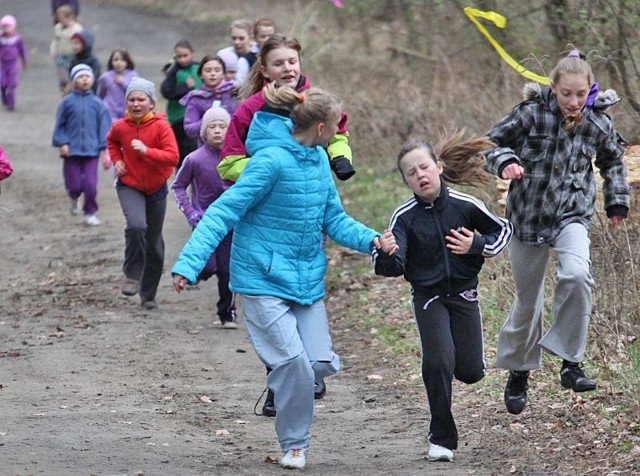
column 143, row 151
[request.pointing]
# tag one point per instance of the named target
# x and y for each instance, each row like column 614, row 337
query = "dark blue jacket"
column 423, row 258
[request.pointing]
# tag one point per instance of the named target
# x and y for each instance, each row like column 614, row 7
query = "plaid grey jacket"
column 558, row 186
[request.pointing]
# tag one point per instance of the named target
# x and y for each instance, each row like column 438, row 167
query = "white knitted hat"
column 216, row 113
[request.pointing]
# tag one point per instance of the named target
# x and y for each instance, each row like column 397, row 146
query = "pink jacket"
column 5, row 166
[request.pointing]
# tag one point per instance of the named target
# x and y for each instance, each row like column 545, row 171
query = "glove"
column 342, row 167
column 194, row 219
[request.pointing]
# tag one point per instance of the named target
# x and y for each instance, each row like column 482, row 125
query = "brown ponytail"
column 461, row 160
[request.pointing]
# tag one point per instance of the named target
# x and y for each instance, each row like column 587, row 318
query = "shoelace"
column 296, row 452
column 258, row 402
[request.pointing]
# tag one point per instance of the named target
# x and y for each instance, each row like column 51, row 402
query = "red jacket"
column 145, row 172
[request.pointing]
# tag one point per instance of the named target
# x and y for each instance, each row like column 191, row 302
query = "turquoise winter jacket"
column 277, row 208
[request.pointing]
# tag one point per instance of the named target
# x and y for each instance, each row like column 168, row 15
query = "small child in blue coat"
column 80, row 133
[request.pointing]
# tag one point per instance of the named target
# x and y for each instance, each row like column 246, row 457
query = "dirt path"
column 90, row 383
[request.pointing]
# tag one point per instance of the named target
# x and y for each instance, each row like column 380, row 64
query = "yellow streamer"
column 500, row 21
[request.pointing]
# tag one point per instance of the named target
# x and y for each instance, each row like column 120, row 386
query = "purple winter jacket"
column 11, row 50
column 112, row 93
column 198, row 171
column 197, row 102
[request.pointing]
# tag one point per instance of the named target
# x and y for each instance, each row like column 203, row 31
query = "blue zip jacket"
column 82, row 122
column 277, row 208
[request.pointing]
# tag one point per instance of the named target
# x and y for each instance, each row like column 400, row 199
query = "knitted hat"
column 79, row 69
column 8, row 21
column 229, row 58
column 144, row 85
column 216, row 113
column 78, row 36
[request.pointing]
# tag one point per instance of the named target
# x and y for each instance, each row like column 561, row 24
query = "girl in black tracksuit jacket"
column 438, row 240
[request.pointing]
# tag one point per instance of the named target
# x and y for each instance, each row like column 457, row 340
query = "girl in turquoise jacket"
column 277, row 210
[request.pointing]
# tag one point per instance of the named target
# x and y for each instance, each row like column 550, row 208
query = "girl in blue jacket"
column 282, row 201
column 438, row 239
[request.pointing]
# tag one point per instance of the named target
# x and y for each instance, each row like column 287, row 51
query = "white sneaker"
column 91, row 220
column 295, row 458
column 439, row 453
column 73, row 207
column 229, row 325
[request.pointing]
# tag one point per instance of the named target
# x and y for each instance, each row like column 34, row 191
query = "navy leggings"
column 450, row 331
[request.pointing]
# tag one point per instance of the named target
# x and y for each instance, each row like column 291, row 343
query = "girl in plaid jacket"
column 545, row 146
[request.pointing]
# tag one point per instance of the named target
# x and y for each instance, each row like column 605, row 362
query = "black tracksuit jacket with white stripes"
column 423, row 257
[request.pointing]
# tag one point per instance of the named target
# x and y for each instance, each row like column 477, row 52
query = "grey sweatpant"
column 521, row 340
column 144, row 245
column 294, row 341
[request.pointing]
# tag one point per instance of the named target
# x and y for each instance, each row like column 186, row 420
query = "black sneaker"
column 269, row 407
column 573, row 377
column 320, row 390
column 515, row 393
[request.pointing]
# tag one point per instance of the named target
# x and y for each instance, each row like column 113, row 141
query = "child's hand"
column 512, row 172
column 190, row 82
column 615, row 220
column 459, row 241
column 64, row 150
column 387, row 243
column 138, row 145
column 106, row 161
column 179, row 283
column 119, row 168
column 194, row 219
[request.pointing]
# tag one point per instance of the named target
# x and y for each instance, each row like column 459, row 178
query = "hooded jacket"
column 145, row 172
column 87, row 57
column 277, row 209
column 82, row 123
column 558, row 187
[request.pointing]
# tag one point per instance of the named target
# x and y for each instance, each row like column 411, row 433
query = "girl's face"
column 422, row 174
column 139, row 104
column 183, row 56
column 571, row 91
column 282, row 66
column 263, row 33
column 215, row 132
column 8, row 30
column 241, row 41
column 328, row 129
column 212, row 73
column 76, row 46
column 118, row 62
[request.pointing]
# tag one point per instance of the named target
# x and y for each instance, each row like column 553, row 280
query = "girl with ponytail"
column 278, row 208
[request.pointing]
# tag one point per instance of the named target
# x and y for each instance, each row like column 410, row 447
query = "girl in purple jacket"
column 113, row 83
column 198, row 172
column 214, row 91
column 11, row 50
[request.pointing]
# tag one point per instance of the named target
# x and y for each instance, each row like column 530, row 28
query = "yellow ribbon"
column 500, row 21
